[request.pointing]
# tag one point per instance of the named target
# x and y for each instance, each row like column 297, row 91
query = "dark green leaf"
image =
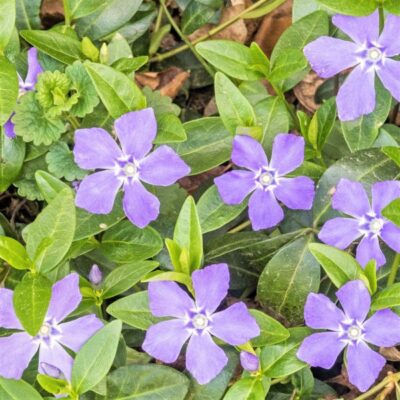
column 195, row 15
column 12, row 153
column 392, row 211
column 28, row 14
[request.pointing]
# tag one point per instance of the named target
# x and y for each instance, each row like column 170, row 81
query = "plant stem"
column 67, row 13
column 381, row 17
column 157, row 25
column 240, row 227
column 73, row 121
column 393, row 270
column 390, row 379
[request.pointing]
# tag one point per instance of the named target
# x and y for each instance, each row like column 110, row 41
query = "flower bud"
column 249, row 361
column 95, row 275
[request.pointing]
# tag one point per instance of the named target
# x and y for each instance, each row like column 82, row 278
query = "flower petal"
column 264, row 210
column 140, row 206
column 65, row 298
column 204, row 359
column 321, row 313
column 388, row 74
column 368, row 250
column 384, row 193
column 136, row 131
column 34, row 68
column 55, row 356
column 235, row 186
column 356, row 96
column 95, row 148
column 390, row 234
column 167, row 299
column 249, row 361
column 389, row 38
column 383, row 329
column 363, row 365
column 321, row 349
column 329, row 56
column 350, row 198
column 8, row 318
column 287, row 153
column 355, row 300
column 235, row 325
column 163, row 167
column 96, row 193
column 9, row 129
column 165, row 340
column 340, row 232
column 16, row 352
column 361, row 29
column 211, row 286
column 248, row 153
column 77, row 332
column 296, row 193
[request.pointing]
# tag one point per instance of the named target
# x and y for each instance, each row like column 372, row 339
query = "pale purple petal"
column 321, row 313
column 136, row 131
column 163, row 167
column 56, row 356
column 34, row 68
column 248, row 153
column 340, row 232
column 361, row 29
column 296, row 193
column 384, row 193
column 95, row 148
column 234, row 325
column 321, row 349
column 264, row 210
column 65, row 298
column 329, row 56
column 355, row 300
column 390, row 234
column 204, row 359
column 389, row 74
column 249, row 361
column 77, row 332
column 164, row 340
column 350, row 198
column 368, row 250
column 168, row 299
column 389, row 38
column 9, row 129
column 235, row 186
column 287, row 153
column 140, row 206
column 96, row 193
column 16, row 352
column 363, row 365
column 356, row 97
column 8, row 318
column 95, row 275
column 211, row 286
column 383, row 329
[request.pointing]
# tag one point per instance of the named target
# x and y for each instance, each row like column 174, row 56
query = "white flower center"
column 354, row 332
column 376, row 225
column 130, row 170
column 374, row 54
column 45, row 330
column 266, row 179
column 200, row 321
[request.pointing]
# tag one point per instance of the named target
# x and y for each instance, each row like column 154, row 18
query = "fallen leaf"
column 305, row 91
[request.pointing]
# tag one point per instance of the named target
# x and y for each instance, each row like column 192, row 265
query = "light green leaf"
column 11, row 389
column 14, row 253
column 12, row 153
column 247, row 388
column 357, row 8
column 286, row 64
column 48, row 185
column 170, row 129
column 8, row 89
column 392, row 212
column 387, row 298
column 393, row 6
column 7, row 21
column 82, row 8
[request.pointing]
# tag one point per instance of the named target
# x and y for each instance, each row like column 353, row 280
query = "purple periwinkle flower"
column 366, row 221
column 126, row 166
column 349, row 329
column 17, row 350
column 197, row 321
column 267, row 181
column 369, row 52
column 34, row 69
column 249, row 361
column 95, row 275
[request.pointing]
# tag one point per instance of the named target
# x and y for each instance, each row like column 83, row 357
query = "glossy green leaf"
column 357, row 8
column 169, row 129
column 81, row 8
column 7, row 21
column 248, row 388
column 286, row 64
column 48, row 185
column 14, row 253
column 27, row 16
column 392, row 211
column 195, row 15
column 11, row 389
column 8, row 89
column 387, row 298
column 12, row 154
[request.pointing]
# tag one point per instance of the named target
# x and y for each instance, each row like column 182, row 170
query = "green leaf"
column 392, row 212
column 82, row 8
column 48, row 185
column 234, row 109
column 123, row 278
column 28, row 14
column 62, row 47
column 263, row 9
column 392, row 6
column 387, row 298
column 393, row 153
column 53, row 385
column 272, row 331
column 195, row 15
column 288, row 278
column 8, row 88
column 208, row 144
column 370, row 273
column 95, row 358
column 286, row 64
column 117, row 48
column 11, row 389
column 126, row 243
column 357, row 8
column 31, row 301
column 169, row 129
column 12, row 154
column 214, row 213
column 50, row 235
column 14, row 253
column 7, row 21
column 129, row 65
column 157, row 38
column 248, row 388
column 118, row 93
column 146, row 382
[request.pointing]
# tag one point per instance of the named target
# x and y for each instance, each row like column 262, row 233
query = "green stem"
column 73, row 121
column 240, row 227
column 381, row 17
column 393, row 270
column 157, row 25
column 67, row 13
column 389, row 379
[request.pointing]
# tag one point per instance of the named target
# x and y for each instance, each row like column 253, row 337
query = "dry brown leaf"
column 390, row 353
column 150, row 79
column 51, row 12
column 306, row 89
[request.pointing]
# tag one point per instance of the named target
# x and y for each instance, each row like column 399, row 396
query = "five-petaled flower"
column 349, row 329
column 267, row 181
column 197, row 321
column 17, row 350
column 125, row 167
column 370, row 53
column 366, row 222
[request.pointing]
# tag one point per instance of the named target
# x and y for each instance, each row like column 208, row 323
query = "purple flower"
column 17, row 350
column 197, row 321
column 366, row 222
column 249, row 361
column 369, row 53
column 34, row 69
column 125, row 167
column 95, row 275
column 348, row 328
column 266, row 180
